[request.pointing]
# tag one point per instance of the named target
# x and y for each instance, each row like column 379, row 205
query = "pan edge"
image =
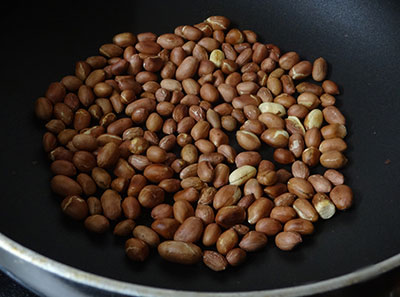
column 21, row 262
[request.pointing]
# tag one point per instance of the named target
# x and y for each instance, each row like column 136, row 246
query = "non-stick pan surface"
column 41, row 43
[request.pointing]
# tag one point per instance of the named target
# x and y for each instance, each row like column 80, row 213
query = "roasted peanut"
column 287, row 240
column 180, row 252
column 342, row 196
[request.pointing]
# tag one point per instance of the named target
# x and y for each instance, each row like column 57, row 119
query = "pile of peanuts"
column 171, row 127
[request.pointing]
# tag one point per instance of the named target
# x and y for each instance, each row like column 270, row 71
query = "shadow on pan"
column 358, row 39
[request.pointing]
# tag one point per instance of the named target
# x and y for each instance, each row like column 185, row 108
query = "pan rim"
column 75, row 275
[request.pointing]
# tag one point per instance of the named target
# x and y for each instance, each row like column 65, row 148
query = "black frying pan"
column 41, row 43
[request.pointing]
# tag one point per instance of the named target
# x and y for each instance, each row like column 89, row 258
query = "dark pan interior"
column 40, row 44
